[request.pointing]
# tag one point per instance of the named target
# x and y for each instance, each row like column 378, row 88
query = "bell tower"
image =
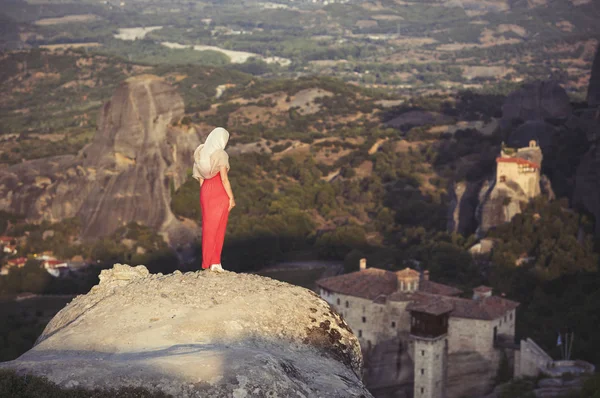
column 429, row 329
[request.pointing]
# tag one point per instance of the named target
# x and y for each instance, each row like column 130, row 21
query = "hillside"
column 322, row 169
column 405, row 46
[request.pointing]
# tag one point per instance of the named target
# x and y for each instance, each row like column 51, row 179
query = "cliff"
column 199, row 334
column 125, row 174
column 587, row 179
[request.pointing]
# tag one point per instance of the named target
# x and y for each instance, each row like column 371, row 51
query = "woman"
column 211, row 164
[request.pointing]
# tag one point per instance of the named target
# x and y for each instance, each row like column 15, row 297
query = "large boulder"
column 533, row 130
column 545, row 100
column 125, row 174
column 199, row 334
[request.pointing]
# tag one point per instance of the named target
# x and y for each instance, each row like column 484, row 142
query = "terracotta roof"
column 6, row 239
column 17, row 261
column 518, row 161
column 433, row 298
column 374, row 282
column 489, row 308
column 369, row 283
column 430, row 304
column 438, row 288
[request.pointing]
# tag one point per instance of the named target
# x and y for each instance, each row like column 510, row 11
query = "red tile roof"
column 434, row 298
column 438, row 288
column 369, row 283
column 17, row 261
column 489, row 308
column 518, row 161
column 6, row 239
column 430, row 304
column 374, row 282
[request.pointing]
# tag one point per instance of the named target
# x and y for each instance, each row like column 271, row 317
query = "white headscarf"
column 211, row 157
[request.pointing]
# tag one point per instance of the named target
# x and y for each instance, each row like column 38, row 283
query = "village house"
column 13, row 263
column 426, row 328
column 8, row 244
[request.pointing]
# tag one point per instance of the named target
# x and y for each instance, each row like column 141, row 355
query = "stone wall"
column 430, row 367
column 528, row 181
column 478, row 335
column 530, row 359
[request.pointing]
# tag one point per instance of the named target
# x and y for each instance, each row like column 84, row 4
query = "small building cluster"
column 428, row 321
column 54, row 266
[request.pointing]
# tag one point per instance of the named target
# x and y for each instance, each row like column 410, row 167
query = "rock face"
column 536, row 130
column 471, row 375
column 593, row 96
column 463, row 203
column 199, row 334
column 587, row 179
column 124, row 175
column 535, row 101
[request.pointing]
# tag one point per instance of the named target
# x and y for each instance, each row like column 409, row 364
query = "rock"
column 587, row 184
column 464, row 199
column 125, row 174
column 199, row 334
column 593, row 96
column 545, row 100
column 471, row 375
column 587, row 177
column 536, row 130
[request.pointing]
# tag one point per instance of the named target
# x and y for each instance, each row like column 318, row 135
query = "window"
column 338, row 301
column 393, row 324
column 422, row 353
column 502, row 178
column 422, row 371
column 347, row 305
column 360, row 333
column 505, row 318
column 511, row 316
column 364, row 318
column 422, row 390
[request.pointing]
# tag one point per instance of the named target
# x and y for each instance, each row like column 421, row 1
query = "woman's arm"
column 227, row 186
column 201, row 181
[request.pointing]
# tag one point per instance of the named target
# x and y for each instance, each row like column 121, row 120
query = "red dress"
column 214, row 202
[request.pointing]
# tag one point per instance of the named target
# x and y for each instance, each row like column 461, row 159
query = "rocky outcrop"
column 545, row 100
column 125, row 174
column 533, row 130
column 471, row 375
column 199, row 334
column 464, row 198
column 593, row 95
column 587, row 179
column 389, row 367
column 499, row 205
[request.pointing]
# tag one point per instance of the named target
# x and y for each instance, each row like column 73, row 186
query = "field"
column 408, row 47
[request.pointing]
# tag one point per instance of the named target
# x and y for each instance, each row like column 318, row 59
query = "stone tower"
column 429, row 329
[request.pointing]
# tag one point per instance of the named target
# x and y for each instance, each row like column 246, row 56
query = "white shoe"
column 216, row 268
